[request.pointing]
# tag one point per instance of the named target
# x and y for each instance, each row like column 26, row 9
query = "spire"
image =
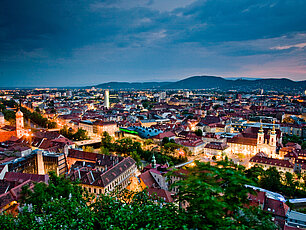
column 273, row 129
column 153, row 161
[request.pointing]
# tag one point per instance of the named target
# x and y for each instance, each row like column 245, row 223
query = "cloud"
column 300, row 45
column 144, row 39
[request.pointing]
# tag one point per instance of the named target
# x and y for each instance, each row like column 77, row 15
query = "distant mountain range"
column 213, row 82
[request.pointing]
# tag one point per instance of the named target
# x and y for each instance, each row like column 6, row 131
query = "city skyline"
column 81, row 43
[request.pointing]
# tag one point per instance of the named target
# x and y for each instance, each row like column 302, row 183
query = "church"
column 254, row 140
column 7, row 132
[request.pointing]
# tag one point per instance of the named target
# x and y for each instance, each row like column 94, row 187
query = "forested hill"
column 212, row 82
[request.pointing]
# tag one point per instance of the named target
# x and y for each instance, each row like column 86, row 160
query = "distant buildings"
column 106, row 99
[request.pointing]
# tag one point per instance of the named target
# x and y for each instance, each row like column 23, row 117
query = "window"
column 89, row 189
column 95, row 191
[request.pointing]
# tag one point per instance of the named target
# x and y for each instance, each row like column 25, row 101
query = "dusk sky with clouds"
column 87, row 42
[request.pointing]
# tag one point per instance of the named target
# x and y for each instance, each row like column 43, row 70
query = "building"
column 99, row 127
column 216, row 149
column 87, row 126
column 196, row 146
column 252, row 141
column 106, row 99
column 6, row 132
column 11, row 187
column 103, row 175
column 266, row 162
column 296, row 219
column 39, row 162
column 2, row 121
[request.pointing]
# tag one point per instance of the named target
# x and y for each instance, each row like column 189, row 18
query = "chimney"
column 40, row 163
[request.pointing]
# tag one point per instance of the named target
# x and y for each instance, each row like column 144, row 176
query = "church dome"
column 19, row 113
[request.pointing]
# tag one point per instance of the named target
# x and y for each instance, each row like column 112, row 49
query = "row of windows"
column 112, row 185
column 94, row 190
column 119, row 179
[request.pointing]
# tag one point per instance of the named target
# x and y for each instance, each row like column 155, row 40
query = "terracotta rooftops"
column 243, row 141
column 73, row 153
column 271, row 161
column 21, row 177
column 101, row 176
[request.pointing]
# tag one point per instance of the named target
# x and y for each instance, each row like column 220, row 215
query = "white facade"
column 106, row 99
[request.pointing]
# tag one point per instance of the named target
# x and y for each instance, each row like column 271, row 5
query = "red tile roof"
column 148, row 179
column 165, row 134
column 271, row 161
column 164, row 194
column 73, row 153
column 276, row 207
column 21, row 177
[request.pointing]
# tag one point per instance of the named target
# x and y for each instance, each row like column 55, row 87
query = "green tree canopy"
column 216, row 198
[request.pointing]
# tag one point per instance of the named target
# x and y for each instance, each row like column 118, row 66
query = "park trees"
column 79, row 135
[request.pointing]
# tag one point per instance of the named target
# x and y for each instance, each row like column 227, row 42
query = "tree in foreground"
column 216, row 198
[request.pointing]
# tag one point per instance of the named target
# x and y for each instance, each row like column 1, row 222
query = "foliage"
column 147, row 104
column 38, row 119
column 303, row 145
column 255, row 172
column 199, row 132
column 128, row 147
column 106, row 141
column 293, row 138
column 89, row 149
column 148, row 142
column 137, row 211
column 170, row 148
column 79, row 135
column 217, row 198
column 104, row 151
column 9, row 115
column 271, row 179
column 291, row 185
column 165, row 140
column 58, row 205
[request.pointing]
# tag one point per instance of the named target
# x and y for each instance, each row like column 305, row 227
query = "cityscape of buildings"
column 153, row 114
column 250, row 129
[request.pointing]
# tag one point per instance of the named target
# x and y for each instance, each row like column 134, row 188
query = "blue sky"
column 86, row 42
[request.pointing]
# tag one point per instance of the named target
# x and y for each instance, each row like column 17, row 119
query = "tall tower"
column 260, row 135
column 153, row 161
column 19, row 124
column 272, row 141
column 106, row 99
column 2, row 122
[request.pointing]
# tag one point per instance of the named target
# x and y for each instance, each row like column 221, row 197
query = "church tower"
column 153, row 162
column 272, row 140
column 2, row 121
column 260, row 136
column 19, row 124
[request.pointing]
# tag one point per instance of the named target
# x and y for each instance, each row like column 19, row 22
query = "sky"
column 86, row 42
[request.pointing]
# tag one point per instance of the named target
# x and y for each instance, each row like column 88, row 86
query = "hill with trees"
column 213, row 82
